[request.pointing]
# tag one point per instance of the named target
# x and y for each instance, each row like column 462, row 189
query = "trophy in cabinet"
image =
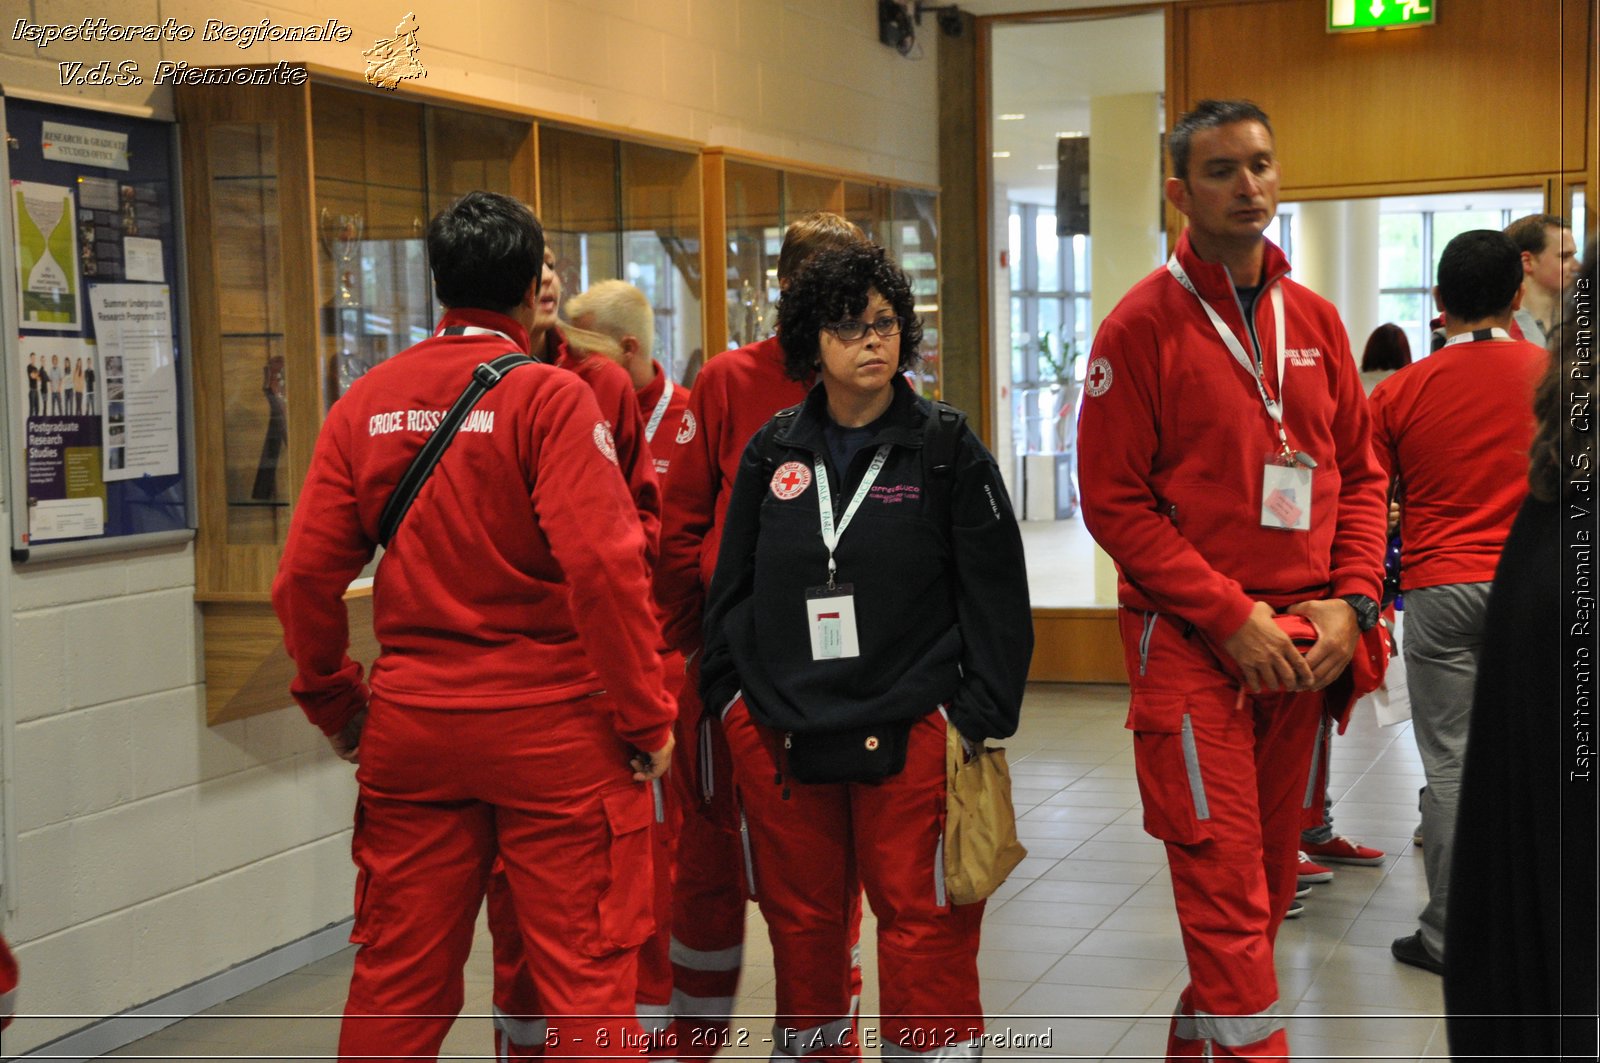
column 342, row 317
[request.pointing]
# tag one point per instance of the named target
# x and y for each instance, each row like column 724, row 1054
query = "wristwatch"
column 1366, row 610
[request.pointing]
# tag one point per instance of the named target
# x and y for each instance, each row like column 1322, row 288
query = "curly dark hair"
column 834, row 286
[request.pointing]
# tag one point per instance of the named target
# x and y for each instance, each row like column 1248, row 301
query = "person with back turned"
column 516, row 707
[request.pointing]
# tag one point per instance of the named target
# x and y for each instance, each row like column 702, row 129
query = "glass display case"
column 755, row 198
column 622, row 209
column 308, row 208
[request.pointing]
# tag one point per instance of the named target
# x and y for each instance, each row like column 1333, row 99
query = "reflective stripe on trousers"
column 1232, row 1030
column 788, row 1043
column 521, row 1031
column 685, row 1006
column 964, row 1050
column 729, row 959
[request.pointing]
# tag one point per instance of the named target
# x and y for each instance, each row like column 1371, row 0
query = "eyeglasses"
column 850, row 331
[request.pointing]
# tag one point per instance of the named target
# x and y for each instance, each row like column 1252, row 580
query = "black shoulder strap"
column 771, row 452
column 486, row 376
column 939, row 458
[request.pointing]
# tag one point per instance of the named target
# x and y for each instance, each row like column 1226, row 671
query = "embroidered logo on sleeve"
column 686, row 429
column 790, row 481
column 603, row 440
column 1098, row 380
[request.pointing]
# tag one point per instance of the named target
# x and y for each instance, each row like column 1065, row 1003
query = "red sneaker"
column 1310, row 871
column 1341, row 850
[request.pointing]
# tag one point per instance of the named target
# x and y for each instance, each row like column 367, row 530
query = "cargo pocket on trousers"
column 362, row 931
column 626, row 917
column 1168, row 765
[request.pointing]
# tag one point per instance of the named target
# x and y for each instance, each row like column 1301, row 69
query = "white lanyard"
column 1478, row 336
column 1229, row 340
column 659, row 412
column 830, row 534
column 474, row 330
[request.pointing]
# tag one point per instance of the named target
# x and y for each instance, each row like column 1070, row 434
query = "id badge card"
column 831, row 619
column 1286, row 497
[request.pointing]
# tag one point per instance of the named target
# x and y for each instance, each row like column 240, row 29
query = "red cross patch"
column 1098, row 380
column 790, row 481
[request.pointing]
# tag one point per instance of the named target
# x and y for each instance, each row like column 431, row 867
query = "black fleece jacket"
column 941, row 613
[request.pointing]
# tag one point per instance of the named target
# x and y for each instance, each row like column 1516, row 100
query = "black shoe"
column 1410, row 950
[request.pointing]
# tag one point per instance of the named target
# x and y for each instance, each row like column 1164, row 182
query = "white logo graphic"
column 1099, row 377
column 603, row 440
column 686, row 429
column 791, row 480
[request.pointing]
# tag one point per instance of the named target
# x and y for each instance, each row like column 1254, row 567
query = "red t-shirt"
column 1454, row 430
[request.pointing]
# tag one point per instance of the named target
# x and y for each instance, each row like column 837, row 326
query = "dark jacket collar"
column 901, row 424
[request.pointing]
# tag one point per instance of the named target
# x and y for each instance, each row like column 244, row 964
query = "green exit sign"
column 1345, row 16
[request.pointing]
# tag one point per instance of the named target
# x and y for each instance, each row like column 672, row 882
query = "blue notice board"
column 96, row 380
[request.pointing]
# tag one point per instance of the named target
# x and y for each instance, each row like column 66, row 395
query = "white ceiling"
column 1048, row 72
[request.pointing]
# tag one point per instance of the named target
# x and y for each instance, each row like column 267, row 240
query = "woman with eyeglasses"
column 870, row 594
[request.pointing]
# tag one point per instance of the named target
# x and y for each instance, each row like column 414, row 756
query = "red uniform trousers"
column 1223, row 780
column 708, row 900
column 8, row 984
column 519, row 1026
column 812, row 849
column 548, row 788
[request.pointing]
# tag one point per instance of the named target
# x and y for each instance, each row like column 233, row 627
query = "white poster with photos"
column 133, row 323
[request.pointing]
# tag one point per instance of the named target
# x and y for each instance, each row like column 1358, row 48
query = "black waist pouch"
column 858, row 754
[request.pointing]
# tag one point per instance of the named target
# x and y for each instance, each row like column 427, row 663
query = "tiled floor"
column 1081, row 945
column 1060, row 563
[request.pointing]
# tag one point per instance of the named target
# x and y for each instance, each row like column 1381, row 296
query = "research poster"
column 133, row 329
column 47, row 256
column 66, row 488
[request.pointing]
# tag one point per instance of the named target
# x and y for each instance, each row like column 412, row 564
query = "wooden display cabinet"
column 307, row 211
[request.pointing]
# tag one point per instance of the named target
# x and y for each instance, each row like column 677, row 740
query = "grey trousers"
column 1444, row 633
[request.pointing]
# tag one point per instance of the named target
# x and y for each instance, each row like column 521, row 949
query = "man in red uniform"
column 1226, row 467
column 1454, row 430
column 736, row 393
column 520, row 1029
column 488, row 728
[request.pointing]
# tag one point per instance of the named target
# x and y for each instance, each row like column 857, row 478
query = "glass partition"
column 373, row 287
column 247, row 230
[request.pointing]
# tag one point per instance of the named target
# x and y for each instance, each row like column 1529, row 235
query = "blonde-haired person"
column 519, row 1012
column 619, row 310
column 620, row 316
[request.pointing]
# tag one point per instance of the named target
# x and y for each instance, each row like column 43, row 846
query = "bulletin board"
column 96, row 411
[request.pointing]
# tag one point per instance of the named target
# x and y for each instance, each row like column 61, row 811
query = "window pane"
column 1080, row 264
column 1020, row 343
column 1400, row 251
column 1448, row 224
column 1580, row 220
column 1014, row 244
column 1048, row 244
column 1049, row 347
column 1409, row 310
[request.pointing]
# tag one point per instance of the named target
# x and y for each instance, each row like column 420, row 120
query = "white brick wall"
column 153, row 850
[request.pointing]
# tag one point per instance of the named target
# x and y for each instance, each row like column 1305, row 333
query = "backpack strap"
column 771, row 452
column 939, row 443
column 486, row 376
